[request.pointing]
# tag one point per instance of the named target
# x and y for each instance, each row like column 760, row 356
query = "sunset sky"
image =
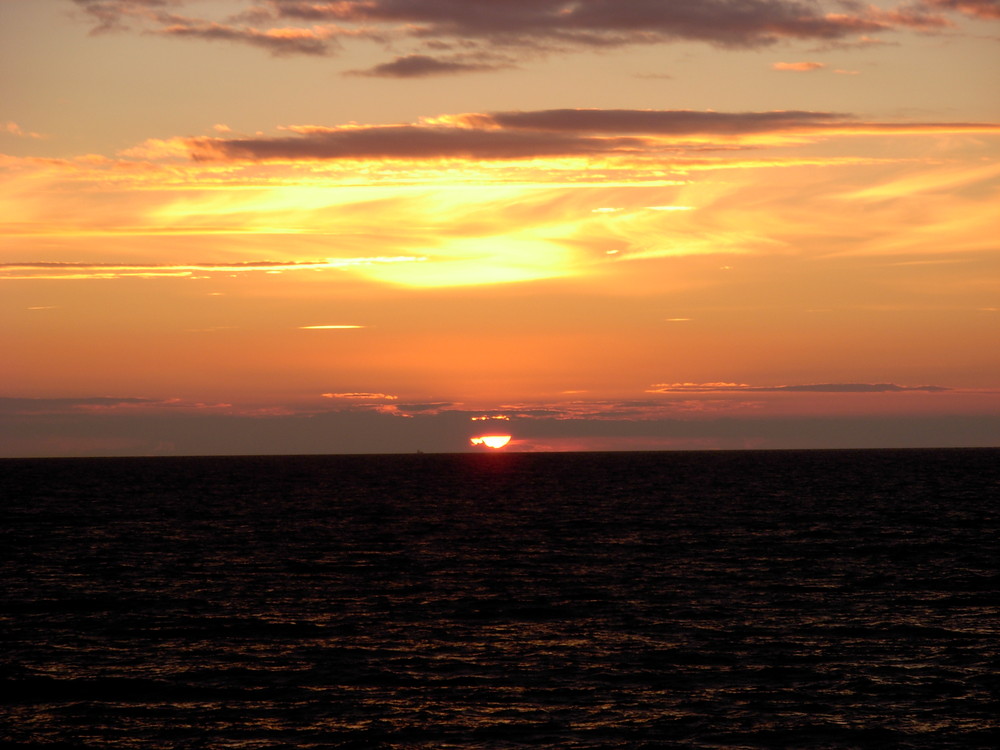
column 299, row 226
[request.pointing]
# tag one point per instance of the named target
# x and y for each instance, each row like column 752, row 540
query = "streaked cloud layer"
column 627, row 134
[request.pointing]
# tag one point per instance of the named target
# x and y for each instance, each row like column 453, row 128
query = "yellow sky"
column 236, row 209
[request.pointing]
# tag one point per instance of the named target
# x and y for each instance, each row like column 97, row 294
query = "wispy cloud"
column 12, row 128
column 798, row 67
column 280, row 41
column 361, row 396
column 115, row 15
column 80, row 270
column 810, row 388
column 330, row 328
column 100, row 405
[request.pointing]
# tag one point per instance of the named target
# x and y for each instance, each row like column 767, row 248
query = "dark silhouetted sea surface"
column 819, row 599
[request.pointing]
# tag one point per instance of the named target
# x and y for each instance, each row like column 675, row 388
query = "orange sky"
column 228, row 222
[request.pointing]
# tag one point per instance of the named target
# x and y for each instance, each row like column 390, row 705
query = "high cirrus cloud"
column 435, row 29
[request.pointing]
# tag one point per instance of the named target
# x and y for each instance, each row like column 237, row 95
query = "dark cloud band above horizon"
column 551, row 133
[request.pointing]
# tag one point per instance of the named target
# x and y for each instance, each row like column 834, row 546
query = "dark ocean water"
column 843, row 599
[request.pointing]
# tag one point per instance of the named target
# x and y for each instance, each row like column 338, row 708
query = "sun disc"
column 491, row 441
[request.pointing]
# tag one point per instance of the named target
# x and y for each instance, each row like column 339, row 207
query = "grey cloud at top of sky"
column 602, row 22
column 538, row 26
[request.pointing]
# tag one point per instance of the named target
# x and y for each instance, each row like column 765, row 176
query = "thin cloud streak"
column 362, row 396
column 798, row 67
column 330, row 328
column 81, row 270
column 811, row 388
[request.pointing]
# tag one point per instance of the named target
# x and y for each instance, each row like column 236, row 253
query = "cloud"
column 64, row 427
column 798, row 67
column 750, row 23
column 362, row 396
column 113, row 15
column 62, row 405
column 424, row 66
column 652, row 121
column 404, row 142
column 989, row 9
column 536, row 28
column 329, row 328
column 12, row 128
column 626, row 133
column 78, row 270
column 96, row 405
column 279, row 42
column 811, row 388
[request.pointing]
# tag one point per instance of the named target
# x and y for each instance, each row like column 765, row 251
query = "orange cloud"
column 12, row 128
column 362, row 396
column 798, row 67
column 329, row 328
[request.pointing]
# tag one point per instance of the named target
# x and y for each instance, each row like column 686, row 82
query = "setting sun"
column 491, row 441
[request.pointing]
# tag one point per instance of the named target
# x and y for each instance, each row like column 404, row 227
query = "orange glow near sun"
column 491, row 441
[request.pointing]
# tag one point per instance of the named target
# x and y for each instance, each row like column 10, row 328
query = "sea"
column 746, row 599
